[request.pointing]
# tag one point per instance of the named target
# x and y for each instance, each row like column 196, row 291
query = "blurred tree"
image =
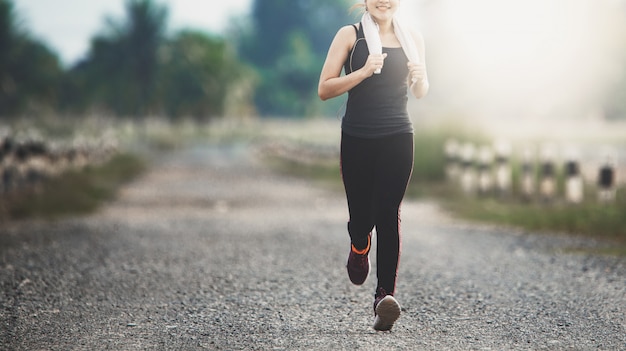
column 29, row 70
column 121, row 69
column 198, row 73
column 133, row 69
column 287, row 41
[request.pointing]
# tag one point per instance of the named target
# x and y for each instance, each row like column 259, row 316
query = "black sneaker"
column 359, row 263
column 386, row 310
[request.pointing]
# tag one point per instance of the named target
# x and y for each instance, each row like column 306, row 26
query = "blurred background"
column 518, row 65
column 547, row 77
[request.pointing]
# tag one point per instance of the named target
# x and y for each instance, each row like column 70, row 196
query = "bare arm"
column 332, row 83
column 418, row 77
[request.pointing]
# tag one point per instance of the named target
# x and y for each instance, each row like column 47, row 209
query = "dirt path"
column 210, row 250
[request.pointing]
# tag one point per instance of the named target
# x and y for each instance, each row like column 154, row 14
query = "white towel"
column 372, row 37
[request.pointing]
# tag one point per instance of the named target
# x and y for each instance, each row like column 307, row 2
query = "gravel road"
column 211, row 250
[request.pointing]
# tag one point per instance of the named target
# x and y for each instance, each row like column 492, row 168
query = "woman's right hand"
column 374, row 62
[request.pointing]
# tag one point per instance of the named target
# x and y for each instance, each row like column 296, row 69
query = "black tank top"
column 377, row 107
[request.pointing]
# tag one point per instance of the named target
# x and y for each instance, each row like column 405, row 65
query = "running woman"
column 376, row 138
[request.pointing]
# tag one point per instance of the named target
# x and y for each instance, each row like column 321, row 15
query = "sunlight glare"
column 518, row 58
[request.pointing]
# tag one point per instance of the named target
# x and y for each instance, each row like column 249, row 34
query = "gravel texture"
column 210, row 250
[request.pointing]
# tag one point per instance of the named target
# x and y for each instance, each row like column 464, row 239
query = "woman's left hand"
column 417, row 72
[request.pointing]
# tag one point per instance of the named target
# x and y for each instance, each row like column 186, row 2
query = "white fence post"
column 574, row 186
column 468, row 174
column 574, row 182
column 528, row 175
column 503, row 167
column 452, row 151
column 547, row 180
column 607, row 181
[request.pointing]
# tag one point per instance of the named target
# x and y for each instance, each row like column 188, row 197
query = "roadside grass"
column 592, row 219
column 73, row 193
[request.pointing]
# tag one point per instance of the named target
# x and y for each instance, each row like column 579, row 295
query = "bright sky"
column 68, row 25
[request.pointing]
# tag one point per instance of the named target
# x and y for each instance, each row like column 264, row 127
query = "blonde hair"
column 359, row 8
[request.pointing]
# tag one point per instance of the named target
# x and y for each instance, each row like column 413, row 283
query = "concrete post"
column 547, row 175
column 528, row 175
column 574, row 185
column 503, row 173
column 485, row 170
column 452, row 151
column 468, row 173
column 606, row 182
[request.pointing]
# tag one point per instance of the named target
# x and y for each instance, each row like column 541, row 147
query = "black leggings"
column 375, row 175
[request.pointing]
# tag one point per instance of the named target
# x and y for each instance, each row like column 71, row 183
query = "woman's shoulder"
column 347, row 33
column 349, row 29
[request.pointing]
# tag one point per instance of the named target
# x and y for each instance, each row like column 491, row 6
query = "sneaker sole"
column 387, row 312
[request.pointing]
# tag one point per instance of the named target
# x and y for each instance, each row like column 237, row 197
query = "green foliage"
column 429, row 157
column 287, row 43
column 134, row 69
column 197, row 74
column 121, row 70
column 29, row 71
